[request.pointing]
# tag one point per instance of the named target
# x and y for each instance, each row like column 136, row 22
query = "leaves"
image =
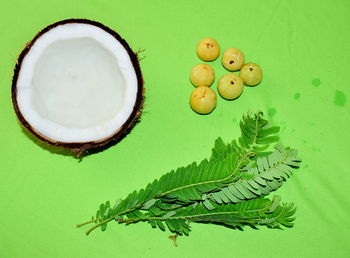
column 256, row 212
column 256, row 133
column 222, row 150
column 227, row 189
column 104, row 212
column 259, row 211
column 268, row 174
column 182, row 185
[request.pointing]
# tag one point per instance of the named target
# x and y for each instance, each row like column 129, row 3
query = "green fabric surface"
column 303, row 48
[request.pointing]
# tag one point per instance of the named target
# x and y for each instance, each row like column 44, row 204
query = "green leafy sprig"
column 228, row 189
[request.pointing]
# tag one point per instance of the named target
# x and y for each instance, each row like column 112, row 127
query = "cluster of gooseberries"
column 230, row 86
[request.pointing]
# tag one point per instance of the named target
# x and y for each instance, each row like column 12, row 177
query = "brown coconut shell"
column 80, row 148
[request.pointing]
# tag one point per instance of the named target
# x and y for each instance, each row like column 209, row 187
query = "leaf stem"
column 193, row 217
column 98, row 225
column 87, row 222
column 106, row 220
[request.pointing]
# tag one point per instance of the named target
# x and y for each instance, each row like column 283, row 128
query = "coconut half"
column 77, row 85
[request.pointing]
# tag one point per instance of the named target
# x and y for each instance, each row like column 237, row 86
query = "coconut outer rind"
column 80, row 148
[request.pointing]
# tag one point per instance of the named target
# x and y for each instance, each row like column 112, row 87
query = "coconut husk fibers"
column 80, row 148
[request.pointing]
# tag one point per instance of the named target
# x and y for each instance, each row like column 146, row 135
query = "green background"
column 304, row 50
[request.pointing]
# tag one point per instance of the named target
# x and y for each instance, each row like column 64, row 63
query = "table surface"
column 303, row 48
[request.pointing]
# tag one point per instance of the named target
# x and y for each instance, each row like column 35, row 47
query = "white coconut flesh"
column 76, row 84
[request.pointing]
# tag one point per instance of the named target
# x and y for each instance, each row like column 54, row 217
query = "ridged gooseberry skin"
column 202, row 75
column 233, row 59
column 251, row 74
column 208, row 49
column 203, row 100
column 230, row 86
